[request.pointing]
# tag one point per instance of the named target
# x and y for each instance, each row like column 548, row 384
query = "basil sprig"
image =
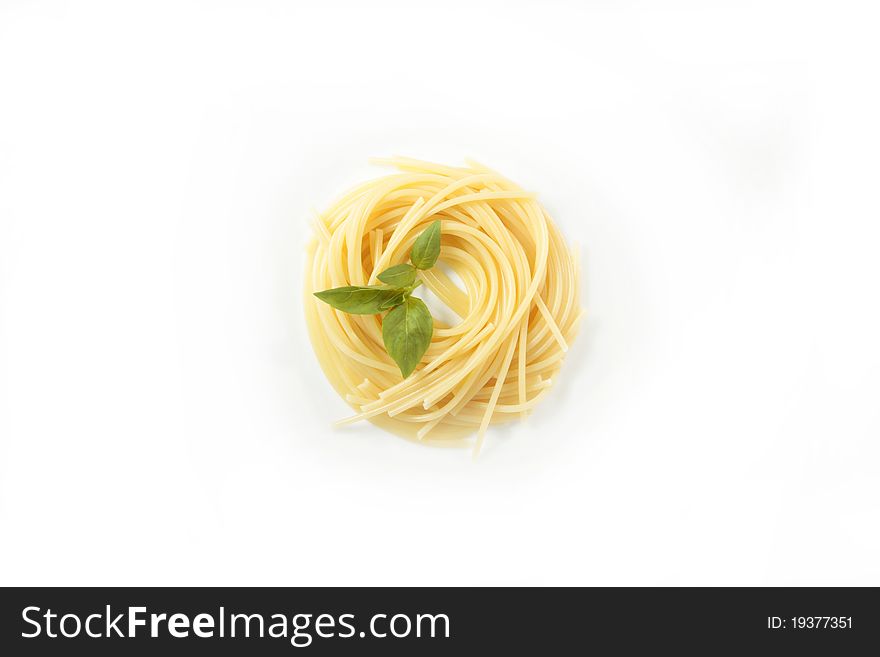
column 408, row 327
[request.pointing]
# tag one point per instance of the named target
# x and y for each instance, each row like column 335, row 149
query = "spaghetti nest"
column 517, row 302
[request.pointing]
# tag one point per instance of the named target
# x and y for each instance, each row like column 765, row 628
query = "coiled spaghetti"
column 518, row 302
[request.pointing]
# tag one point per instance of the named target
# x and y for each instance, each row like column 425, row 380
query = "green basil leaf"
column 399, row 275
column 407, row 332
column 359, row 300
column 426, row 248
column 396, row 300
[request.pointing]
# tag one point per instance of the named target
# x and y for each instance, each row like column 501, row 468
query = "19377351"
column 809, row 623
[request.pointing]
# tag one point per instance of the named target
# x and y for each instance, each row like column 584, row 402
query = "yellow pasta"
column 517, row 305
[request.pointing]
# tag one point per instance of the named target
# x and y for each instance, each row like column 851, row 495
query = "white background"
column 163, row 419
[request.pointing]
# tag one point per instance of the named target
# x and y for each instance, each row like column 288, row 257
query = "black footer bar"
column 435, row 621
